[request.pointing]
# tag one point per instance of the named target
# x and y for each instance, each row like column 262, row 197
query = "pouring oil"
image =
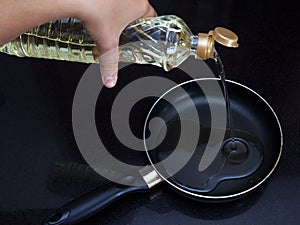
column 222, row 75
column 164, row 41
column 236, row 150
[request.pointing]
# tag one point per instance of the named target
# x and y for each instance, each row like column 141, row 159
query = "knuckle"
column 109, row 66
column 143, row 5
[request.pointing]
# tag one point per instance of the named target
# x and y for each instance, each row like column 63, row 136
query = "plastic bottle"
column 165, row 41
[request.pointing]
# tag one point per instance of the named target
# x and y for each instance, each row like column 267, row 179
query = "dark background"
column 36, row 130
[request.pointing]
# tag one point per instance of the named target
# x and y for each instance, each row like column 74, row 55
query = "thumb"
column 109, row 67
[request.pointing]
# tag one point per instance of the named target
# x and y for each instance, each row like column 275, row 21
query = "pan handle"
column 91, row 203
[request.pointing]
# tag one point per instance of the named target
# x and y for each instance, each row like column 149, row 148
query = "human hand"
column 105, row 20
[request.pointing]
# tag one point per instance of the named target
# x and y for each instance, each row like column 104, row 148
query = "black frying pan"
column 211, row 171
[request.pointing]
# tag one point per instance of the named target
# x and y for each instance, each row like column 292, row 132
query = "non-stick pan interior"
column 230, row 173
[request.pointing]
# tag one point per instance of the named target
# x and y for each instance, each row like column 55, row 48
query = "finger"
column 109, row 67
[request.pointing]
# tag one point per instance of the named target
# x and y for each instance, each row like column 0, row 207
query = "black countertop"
column 36, row 124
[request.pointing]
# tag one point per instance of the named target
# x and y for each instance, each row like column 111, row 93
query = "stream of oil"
column 221, row 73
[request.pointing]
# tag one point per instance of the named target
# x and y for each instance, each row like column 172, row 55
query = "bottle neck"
column 194, row 43
column 202, row 45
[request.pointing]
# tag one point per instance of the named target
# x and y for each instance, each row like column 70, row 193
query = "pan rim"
column 219, row 196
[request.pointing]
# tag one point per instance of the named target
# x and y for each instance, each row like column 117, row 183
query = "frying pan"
column 193, row 152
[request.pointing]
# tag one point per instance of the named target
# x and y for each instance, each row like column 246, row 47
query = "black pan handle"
column 91, row 203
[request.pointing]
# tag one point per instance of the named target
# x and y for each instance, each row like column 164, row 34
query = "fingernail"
column 110, row 81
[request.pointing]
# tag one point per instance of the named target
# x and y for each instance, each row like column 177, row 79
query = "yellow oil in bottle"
column 164, row 41
column 63, row 39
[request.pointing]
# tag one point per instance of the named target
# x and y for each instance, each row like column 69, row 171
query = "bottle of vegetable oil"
column 164, row 41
